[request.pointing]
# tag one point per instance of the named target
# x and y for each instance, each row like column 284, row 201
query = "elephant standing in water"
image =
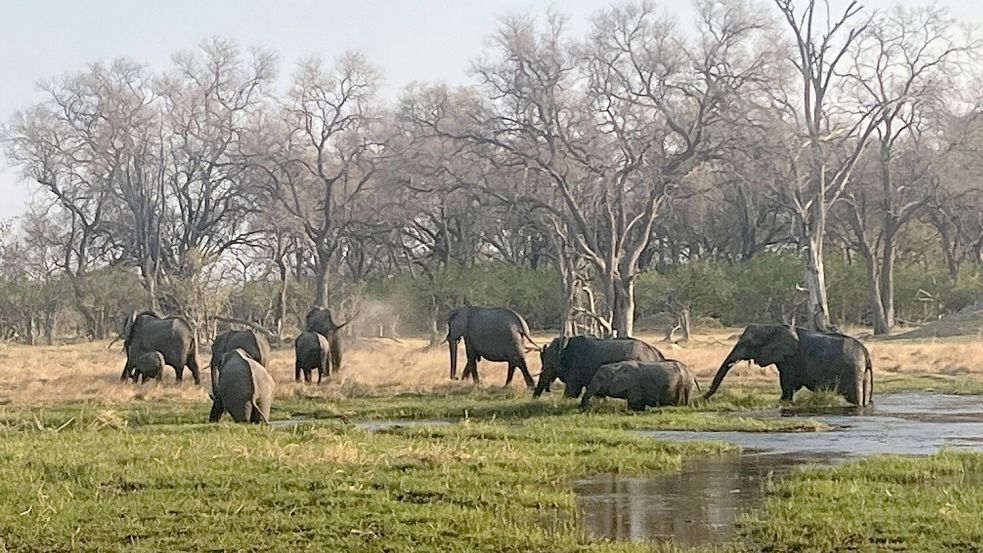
column 319, row 320
column 492, row 333
column 244, row 389
column 250, row 341
column 805, row 358
column 311, row 351
column 173, row 337
column 575, row 360
column 643, row 384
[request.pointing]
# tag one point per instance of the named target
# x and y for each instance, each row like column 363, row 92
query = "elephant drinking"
column 643, row 384
column 575, row 360
column 805, row 359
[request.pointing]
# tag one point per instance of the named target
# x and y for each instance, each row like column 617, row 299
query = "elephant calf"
column 148, row 365
column 643, row 384
column 312, row 351
column 244, row 389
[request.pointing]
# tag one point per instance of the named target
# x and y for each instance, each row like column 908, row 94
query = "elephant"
column 492, row 333
column 312, row 351
column 250, row 341
column 805, row 358
column 149, row 365
column 644, row 385
column 173, row 337
column 244, row 389
column 574, row 360
column 319, row 320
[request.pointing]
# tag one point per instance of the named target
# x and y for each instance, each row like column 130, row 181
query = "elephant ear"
column 311, row 315
column 781, row 343
column 457, row 322
column 562, row 353
column 128, row 328
column 623, row 378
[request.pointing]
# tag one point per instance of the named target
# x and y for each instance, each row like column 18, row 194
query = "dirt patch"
column 967, row 322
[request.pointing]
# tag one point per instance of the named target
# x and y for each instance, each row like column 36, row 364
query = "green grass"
column 152, row 476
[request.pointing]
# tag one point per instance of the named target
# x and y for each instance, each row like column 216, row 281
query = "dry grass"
column 50, row 374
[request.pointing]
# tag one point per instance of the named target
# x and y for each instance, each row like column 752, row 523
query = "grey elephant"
column 148, row 365
column 667, row 382
column 319, row 320
column 173, row 337
column 250, row 341
column 311, row 351
column 244, row 389
column 805, row 359
column 574, row 360
column 491, row 333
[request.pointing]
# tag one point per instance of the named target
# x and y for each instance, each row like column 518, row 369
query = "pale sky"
column 424, row 40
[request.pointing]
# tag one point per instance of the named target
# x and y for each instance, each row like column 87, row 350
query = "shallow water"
column 701, row 503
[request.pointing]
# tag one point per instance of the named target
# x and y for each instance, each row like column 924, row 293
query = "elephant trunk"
column 545, row 378
column 452, row 345
column 733, row 357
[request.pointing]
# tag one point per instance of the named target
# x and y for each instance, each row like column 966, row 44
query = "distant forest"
column 772, row 163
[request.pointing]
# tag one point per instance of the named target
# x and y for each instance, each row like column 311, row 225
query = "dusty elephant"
column 148, row 365
column 250, row 341
column 575, row 360
column 805, row 359
column 492, row 333
column 244, row 389
column 643, row 384
column 312, row 351
column 173, row 337
column 319, row 320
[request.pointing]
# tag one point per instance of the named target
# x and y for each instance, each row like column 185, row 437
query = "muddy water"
column 701, row 504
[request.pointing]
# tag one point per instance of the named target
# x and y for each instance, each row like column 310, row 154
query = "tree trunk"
column 280, row 313
column 623, row 315
column 815, row 279
column 874, row 280
column 321, row 282
column 887, row 282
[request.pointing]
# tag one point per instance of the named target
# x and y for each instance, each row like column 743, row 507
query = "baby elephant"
column 148, row 365
column 313, row 351
column 244, row 389
column 643, row 384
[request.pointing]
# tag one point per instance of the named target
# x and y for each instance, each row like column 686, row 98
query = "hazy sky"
column 426, row 40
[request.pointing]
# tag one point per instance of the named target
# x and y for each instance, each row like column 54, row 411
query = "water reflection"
column 699, row 505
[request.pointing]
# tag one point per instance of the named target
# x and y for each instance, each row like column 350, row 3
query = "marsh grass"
column 89, row 464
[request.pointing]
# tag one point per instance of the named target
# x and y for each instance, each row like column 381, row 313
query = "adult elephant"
column 319, row 320
column 244, row 389
column 250, row 341
column 643, row 384
column 492, row 333
column 173, row 337
column 311, row 351
column 805, row 359
column 575, row 360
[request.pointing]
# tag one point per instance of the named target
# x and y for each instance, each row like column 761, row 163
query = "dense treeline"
column 767, row 164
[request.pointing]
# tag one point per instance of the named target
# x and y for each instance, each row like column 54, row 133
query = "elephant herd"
column 630, row 369
column 625, row 368
column 241, row 385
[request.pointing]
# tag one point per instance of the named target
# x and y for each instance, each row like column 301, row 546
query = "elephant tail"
column 259, row 413
column 697, row 382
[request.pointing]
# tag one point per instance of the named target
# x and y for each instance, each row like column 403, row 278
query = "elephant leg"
column 307, row 374
column 510, row 374
column 527, row 376
column 585, row 401
column 297, row 369
column 216, row 412
column 868, row 396
column 127, row 371
column 788, row 386
column 325, row 366
column 471, row 368
column 179, row 374
column 192, row 364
